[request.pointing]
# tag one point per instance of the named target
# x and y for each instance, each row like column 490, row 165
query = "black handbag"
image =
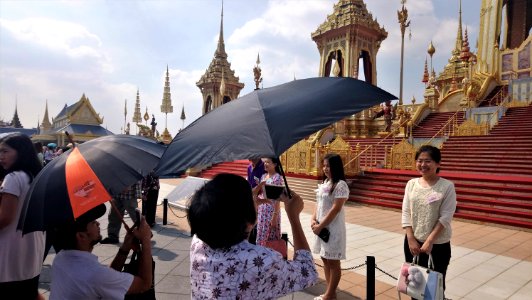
column 133, row 268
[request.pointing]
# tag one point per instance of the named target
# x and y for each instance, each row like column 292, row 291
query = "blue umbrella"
column 52, row 145
column 267, row 122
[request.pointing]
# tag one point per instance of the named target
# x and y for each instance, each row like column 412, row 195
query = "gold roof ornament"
column 456, row 69
column 350, row 12
column 146, row 116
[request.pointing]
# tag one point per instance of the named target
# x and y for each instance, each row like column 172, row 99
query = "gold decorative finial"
column 257, row 73
column 431, row 50
column 402, row 15
column 146, row 116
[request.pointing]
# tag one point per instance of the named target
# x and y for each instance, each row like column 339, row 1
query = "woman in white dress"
column 329, row 213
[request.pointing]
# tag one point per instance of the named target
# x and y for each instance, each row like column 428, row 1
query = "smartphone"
column 273, row 192
column 137, row 215
column 324, row 233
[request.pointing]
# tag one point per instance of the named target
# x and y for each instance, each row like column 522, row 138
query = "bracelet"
column 123, row 252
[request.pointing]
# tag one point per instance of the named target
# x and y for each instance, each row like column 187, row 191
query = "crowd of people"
column 231, row 261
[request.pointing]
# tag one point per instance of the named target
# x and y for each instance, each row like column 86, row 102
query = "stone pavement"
column 488, row 262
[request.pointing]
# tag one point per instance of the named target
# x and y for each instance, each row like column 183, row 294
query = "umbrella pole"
column 117, row 212
column 69, row 137
column 284, row 178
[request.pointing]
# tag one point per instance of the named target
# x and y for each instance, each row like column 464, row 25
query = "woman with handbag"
column 268, row 210
column 223, row 264
column 429, row 204
column 328, row 217
column 21, row 256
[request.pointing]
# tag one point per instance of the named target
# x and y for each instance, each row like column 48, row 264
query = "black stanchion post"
column 165, row 211
column 370, row 277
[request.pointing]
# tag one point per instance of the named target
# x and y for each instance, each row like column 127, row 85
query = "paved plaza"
column 488, row 262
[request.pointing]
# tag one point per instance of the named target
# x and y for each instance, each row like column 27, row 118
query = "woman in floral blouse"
column 224, row 265
column 269, row 210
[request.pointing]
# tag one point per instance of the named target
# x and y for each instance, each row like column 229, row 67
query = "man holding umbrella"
column 76, row 272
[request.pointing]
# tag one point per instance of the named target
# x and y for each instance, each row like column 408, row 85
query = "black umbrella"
column 265, row 123
column 86, row 176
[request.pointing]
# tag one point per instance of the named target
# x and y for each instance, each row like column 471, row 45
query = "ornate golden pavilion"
column 502, row 65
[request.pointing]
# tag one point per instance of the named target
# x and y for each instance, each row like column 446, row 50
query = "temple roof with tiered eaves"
column 219, row 65
column 350, row 12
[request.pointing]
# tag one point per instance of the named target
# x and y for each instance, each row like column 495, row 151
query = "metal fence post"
column 370, row 277
column 165, row 211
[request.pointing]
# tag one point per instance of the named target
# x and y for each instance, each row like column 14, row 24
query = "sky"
column 56, row 50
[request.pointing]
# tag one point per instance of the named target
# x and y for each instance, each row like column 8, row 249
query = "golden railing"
column 448, row 129
column 500, row 97
column 501, row 107
column 370, row 152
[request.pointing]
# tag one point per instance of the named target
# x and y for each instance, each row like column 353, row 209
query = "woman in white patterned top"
column 223, row 264
column 329, row 213
column 429, row 204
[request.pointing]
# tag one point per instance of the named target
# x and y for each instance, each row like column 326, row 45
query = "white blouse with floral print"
column 247, row 271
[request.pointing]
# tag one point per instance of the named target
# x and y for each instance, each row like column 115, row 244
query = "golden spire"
column 137, row 118
column 465, row 54
column 183, row 117
column 46, row 120
column 425, row 73
column 220, row 49
column 125, row 114
column 167, row 107
column 459, row 37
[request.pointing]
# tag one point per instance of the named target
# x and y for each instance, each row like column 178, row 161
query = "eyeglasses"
column 426, row 161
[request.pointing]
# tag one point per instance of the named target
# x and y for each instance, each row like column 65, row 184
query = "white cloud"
column 71, row 39
column 289, row 20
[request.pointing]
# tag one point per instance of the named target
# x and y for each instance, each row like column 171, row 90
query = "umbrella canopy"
column 86, row 176
column 51, row 145
column 267, row 122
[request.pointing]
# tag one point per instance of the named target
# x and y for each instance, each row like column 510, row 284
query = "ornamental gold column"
column 402, row 15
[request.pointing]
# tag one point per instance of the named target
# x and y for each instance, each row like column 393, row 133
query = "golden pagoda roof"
column 349, row 13
column 219, row 65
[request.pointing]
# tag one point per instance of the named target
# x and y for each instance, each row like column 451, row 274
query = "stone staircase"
column 237, row 167
column 507, row 150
